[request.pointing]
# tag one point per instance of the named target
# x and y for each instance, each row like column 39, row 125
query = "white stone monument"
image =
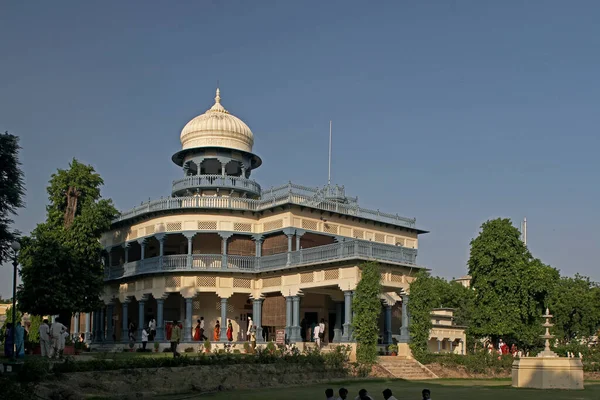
column 548, row 370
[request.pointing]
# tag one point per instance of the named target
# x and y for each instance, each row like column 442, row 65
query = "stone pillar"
column 109, row 322
column 347, row 335
column 260, row 338
column 296, row 336
column 125, row 321
column 101, row 325
column 290, row 236
column 160, row 323
column 161, row 249
column 142, row 243
column 126, row 248
column 337, row 329
column 189, row 251
column 451, row 347
column 387, row 330
column 224, row 320
column 224, row 237
column 141, row 315
column 439, row 346
column 76, row 324
column 288, row 317
column 404, row 330
column 87, row 327
column 187, row 334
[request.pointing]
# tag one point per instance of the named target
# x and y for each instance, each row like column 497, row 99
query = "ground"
column 455, row 389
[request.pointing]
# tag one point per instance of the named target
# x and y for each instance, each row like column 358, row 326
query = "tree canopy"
column 12, row 190
column 62, row 270
column 511, row 287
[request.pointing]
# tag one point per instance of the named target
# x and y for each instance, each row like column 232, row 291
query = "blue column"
column 109, row 322
column 142, row 243
column 160, row 324
column 76, row 324
column 126, row 247
column 289, row 250
column 387, row 329
column 101, row 325
column 337, row 329
column 288, row 316
column 224, row 237
column 87, row 327
column 141, row 315
column 258, row 318
column 404, row 330
column 224, row 320
column 346, row 336
column 190, row 239
column 125, row 321
column 187, row 335
column 296, row 336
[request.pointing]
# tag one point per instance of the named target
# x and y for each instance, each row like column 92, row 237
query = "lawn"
column 440, row 389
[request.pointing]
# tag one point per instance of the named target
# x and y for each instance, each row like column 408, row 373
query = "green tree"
column 12, row 190
column 367, row 308
column 34, row 328
column 511, row 288
column 575, row 304
column 61, row 261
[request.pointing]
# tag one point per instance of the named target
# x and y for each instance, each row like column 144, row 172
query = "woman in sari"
column 197, row 332
column 19, row 340
column 217, row 332
column 230, row 331
column 9, row 347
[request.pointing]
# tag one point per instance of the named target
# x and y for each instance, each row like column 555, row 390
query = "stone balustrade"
column 346, row 250
column 193, row 183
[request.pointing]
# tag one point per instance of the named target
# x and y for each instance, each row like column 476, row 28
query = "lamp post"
column 16, row 246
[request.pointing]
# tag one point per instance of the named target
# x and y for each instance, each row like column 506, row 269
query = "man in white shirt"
column 322, row 330
column 45, row 338
column 387, row 395
column 248, row 334
column 363, row 395
column 57, row 331
column 316, row 336
column 152, row 328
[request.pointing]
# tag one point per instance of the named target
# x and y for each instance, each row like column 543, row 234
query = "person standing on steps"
column 175, row 338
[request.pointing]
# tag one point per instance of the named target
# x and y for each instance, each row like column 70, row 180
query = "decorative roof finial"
column 218, row 97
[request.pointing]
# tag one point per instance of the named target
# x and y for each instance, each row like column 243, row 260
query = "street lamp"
column 16, row 246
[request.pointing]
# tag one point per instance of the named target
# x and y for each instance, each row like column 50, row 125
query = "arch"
column 233, row 168
column 210, row 166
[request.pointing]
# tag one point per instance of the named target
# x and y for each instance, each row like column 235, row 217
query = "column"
column 126, row 247
column 76, row 319
column 190, row 238
column 337, row 329
column 224, row 320
column 346, row 336
column 87, row 327
column 125, row 321
column 109, row 322
column 439, row 346
column 160, row 324
column 224, row 237
column 288, row 317
column 290, row 236
column 462, row 347
column 141, row 315
column 404, row 331
column 451, row 347
column 387, row 329
column 101, row 325
column 187, row 334
column 296, row 336
column 142, row 243
column 260, row 338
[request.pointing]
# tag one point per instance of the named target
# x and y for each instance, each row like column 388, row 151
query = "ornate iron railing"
column 287, row 194
column 347, row 250
column 216, row 181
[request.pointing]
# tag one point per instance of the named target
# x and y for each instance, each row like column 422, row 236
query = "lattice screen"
column 207, row 225
column 308, row 224
column 330, row 228
column 332, row 274
column 273, row 313
column 173, row 226
column 242, row 227
column 230, row 307
column 307, row 277
column 206, row 281
column 359, row 234
column 397, row 278
column 172, row 281
column 270, row 282
column 380, row 237
column 269, row 226
column 242, row 283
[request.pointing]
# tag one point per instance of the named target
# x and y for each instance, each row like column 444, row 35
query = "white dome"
column 217, row 128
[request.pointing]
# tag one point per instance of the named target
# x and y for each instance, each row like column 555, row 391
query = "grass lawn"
column 455, row 389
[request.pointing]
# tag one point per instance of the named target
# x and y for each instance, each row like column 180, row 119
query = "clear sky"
column 452, row 112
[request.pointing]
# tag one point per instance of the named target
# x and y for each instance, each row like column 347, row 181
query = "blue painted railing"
column 348, row 250
column 216, row 181
column 287, row 194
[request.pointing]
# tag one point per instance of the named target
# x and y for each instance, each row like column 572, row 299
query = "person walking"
column 57, row 330
column 19, row 340
column 45, row 338
column 144, row 338
column 175, row 338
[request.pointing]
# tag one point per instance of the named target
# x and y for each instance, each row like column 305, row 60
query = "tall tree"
column 367, row 308
column 61, row 261
column 12, row 189
column 511, row 288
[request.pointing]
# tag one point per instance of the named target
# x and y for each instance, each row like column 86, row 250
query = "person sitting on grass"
column 343, row 392
column 363, row 395
column 387, row 395
column 426, row 394
column 329, row 394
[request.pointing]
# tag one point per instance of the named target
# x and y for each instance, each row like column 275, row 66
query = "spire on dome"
column 217, row 106
column 218, row 97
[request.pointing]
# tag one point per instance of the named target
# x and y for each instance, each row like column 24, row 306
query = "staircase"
column 404, row 368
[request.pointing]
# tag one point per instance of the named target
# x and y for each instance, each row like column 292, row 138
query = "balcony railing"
column 216, row 181
column 348, row 250
column 287, row 194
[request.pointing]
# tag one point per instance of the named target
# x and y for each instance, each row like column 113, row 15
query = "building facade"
column 222, row 248
column 445, row 336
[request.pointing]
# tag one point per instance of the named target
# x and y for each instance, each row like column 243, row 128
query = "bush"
column 188, row 350
column 367, row 308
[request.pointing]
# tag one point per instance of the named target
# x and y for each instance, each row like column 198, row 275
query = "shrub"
column 207, row 345
column 271, row 347
column 367, row 307
column 188, row 350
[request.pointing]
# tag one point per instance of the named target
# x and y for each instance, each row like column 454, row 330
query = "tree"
column 12, row 190
column 575, row 304
column 34, row 328
column 61, row 261
column 511, row 287
column 367, row 308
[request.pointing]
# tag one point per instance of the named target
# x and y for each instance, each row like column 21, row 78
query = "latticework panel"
column 274, row 312
column 230, row 307
column 207, row 225
column 242, row 227
column 172, row 281
column 382, row 276
column 359, row 234
column 270, row 282
column 244, row 283
column 380, row 237
column 309, row 224
column 148, row 283
column 330, row 228
column 272, row 225
column 206, row 281
column 307, row 277
column 173, row 226
column 332, row 274
column 397, row 278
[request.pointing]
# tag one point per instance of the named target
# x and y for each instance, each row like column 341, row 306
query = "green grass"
column 454, row 389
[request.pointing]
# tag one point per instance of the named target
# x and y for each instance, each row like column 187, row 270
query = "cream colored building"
column 465, row 281
column 224, row 249
column 445, row 336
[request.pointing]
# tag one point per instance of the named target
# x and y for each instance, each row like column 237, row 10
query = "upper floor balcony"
column 350, row 250
column 192, row 184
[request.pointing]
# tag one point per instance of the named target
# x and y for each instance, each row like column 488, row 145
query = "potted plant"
column 247, row 348
column 79, row 347
column 393, row 349
column 207, row 346
column 156, row 346
column 69, row 346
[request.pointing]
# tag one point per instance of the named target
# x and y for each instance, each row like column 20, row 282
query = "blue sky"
column 453, row 112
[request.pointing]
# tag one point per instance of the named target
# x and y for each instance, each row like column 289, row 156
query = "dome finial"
column 218, row 96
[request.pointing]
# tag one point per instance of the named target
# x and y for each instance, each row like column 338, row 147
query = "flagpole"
column 329, row 171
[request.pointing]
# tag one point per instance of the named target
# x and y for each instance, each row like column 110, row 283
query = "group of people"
column 53, row 338
column 199, row 331
column 14, row 348
column 503, row 349
column 364, row 395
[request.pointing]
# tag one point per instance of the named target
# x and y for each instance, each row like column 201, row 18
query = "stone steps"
column 404, row 368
